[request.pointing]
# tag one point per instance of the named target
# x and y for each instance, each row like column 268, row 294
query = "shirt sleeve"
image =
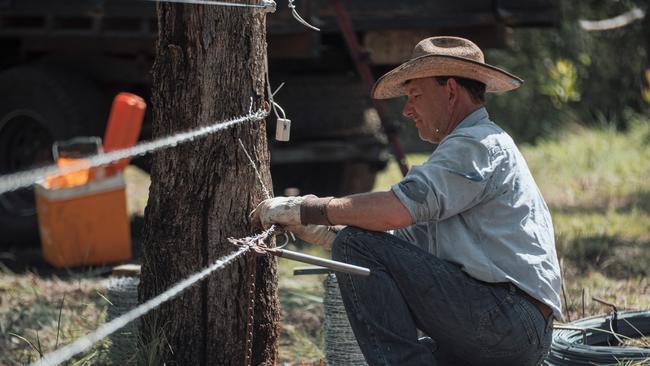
column 453, row 180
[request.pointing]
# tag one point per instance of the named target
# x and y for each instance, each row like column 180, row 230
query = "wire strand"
column 267, row 194
column 265, row 3
column 275, row 106
column 14, row 181
column 299, row 18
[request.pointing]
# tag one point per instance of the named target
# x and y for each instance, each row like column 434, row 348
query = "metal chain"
column 256, row 246
column 252, row 268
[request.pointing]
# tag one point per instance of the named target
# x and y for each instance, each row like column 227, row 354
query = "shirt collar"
column 474, row 118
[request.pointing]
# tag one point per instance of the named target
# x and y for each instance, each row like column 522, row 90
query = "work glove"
column 315, row 234
column 291, row 211
column 284, row 211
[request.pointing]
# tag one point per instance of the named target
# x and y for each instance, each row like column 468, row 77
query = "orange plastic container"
column 84, row 225
column 124, row 125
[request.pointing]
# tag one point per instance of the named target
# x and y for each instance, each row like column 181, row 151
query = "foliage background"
column 572, row 77
column 575, row 76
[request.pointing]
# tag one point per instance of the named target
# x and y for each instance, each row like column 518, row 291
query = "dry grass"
column 643, row 342
column 301, row 317
column 37, row 314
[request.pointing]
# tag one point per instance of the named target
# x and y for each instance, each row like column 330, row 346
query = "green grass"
column 596, row 169
column 597, row 185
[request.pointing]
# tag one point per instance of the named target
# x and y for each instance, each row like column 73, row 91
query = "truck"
column 63, row 61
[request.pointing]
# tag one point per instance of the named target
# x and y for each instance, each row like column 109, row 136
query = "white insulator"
column 282, row 129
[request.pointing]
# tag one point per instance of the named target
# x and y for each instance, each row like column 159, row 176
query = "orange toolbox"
column 82, row 216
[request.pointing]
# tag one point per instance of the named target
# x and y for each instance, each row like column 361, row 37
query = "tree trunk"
column 209, row 63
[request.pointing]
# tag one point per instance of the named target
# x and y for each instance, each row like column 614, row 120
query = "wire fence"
column 24, row 179
column 14, row 181
column 245, row 244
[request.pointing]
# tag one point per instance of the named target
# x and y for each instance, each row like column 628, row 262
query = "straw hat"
column 444, row 56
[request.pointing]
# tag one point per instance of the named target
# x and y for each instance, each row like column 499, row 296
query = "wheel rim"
column 24, row 143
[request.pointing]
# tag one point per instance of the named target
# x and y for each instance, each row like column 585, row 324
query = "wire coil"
column 123, row 295
column 341, row 347
column 567, row 347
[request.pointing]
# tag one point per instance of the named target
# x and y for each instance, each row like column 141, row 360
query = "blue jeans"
column 471, row 322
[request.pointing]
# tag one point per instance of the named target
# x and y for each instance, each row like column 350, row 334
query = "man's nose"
column 407, row 111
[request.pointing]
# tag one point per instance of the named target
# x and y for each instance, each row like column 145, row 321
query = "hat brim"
column 391, row 84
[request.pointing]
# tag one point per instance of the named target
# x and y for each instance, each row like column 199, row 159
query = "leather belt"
column 544, row 309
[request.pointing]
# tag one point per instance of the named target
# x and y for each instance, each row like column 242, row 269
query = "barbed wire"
column 12, row 182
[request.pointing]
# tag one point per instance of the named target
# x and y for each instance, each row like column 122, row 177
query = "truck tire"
column 326, row 106
column 37, row 107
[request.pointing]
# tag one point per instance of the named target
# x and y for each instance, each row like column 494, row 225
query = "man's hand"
column 284, row 211
column 315, row 234
column 289, row 211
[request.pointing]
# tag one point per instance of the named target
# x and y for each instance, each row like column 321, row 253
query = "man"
column 471, row 261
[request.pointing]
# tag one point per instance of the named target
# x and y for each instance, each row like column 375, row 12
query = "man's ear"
column 452, row 90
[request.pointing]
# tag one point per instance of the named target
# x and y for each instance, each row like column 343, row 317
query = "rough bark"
column 209, row 63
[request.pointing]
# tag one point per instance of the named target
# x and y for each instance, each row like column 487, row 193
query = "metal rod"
column 299, row 271
column 310, row 259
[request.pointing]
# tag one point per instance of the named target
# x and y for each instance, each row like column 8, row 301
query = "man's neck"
column 461, row 115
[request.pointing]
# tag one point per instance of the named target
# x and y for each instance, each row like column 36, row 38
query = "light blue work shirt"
column 475, row 203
